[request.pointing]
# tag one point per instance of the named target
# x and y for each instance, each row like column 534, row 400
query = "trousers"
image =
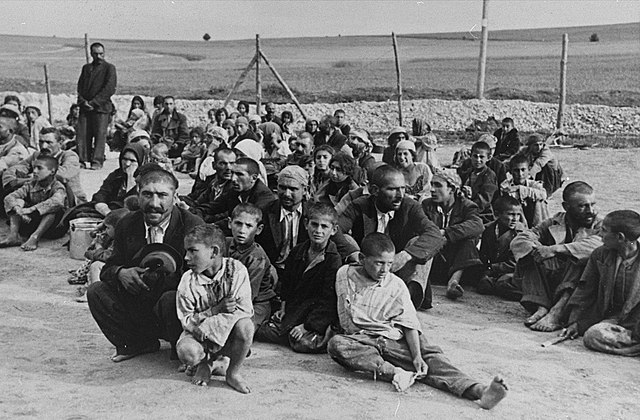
column 92, row 136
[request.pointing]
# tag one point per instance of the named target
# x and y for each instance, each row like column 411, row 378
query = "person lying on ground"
column 387, row 210
column 36, row 208
column 417, row 175
column 307, row 288
column 460, row 225
column 381, row 333
column 495, row 252
column 605, row 306
column 552, row 256
column 479, row 182
column 531, row 194
column 214, row 308
column 508, row 140
column 245, row 223
column 132, row 311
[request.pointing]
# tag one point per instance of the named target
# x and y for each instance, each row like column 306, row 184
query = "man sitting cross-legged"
column 388, row 210
column 551, row 257
column 606, row 304
column 214, row 307
column 382, row 334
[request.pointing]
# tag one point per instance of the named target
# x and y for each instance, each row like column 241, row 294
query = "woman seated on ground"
column 243, row 108
column 73, row 116
column 417, row 175
column 137, row 119
column 397, row 135
column 459, row 221
column 35, row 123
column 341, row 170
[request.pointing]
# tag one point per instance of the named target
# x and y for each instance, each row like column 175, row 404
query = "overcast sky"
column 189, row 20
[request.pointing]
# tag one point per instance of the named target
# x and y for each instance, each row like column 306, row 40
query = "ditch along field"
column 55, row 362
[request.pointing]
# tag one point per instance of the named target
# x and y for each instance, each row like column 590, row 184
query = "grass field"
column 521, row 64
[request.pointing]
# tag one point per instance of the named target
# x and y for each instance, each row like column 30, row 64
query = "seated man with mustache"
column 552, row 256
column 132, row 314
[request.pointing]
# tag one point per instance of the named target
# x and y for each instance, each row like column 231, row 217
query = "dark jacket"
column 409, row 221
column 482, row 191
column 464, row 221
column 310, row 294
column 495, row 252
column 249, row 135
column 336, row 140
column 494, row 164
column 259, row 195
column 130, row 238
column 112, row 189
column 174, row 126
column 96, row 85
column 507, row 147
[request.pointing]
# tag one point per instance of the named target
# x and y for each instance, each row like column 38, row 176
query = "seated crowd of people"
column 307, row 239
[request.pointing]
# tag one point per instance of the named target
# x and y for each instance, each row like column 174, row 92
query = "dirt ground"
column 55, row 362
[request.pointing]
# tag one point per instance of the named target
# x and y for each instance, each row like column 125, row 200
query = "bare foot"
column 30, row 245
column 403, row 379
column 493, row 394
column 236, row 382
column 537, row 316
column 10, row 241
column 547, row 324
column 219, row 366
column 454, row 290
column 202, row 375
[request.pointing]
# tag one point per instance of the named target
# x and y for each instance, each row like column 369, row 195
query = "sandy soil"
column 55, row 360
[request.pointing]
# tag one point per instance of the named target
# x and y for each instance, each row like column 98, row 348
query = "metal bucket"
column 81, row 229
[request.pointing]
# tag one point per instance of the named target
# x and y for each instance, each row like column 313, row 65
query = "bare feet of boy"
column 30, row 245
column 202, row 375
column 537, row 316
column 547, row 324
column 219, row 366
column 235, row 381
column 10, row 241
column 403, row 379
column 493, row 394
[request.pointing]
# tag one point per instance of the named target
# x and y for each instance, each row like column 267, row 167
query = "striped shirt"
column 377, row 308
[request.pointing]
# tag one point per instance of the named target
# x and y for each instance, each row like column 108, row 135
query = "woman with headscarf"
column 341, row 171
column 216, row 138
column 232, row 134
column 253, row 150
column 397, row 135
column 426, row 150
column 35, row 123
column 417, row 175
column 144, row 122
column 311, row 126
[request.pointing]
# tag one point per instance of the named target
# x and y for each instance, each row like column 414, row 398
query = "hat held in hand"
column 160, row 258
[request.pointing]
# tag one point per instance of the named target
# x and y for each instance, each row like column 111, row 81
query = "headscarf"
column 296, row 174
column 253, row 150
column 450, row 176
column 137, row 150
column 490, row 139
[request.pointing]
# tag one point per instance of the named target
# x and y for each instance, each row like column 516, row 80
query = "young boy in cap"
column 214, row 307
column 479, row 183
column 382, row 334
column 307, row 288
column 37, row 207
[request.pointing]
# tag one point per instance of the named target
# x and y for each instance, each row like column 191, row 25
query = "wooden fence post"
column 284, row 85
column 48, row 89
column 563, row 80
column 258, row 83
column 87, row 50
column 399, row 76
column 483, row 51
column 240, row 80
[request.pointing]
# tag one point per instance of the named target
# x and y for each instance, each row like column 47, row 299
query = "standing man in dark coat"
column 96, row 85
column 131, row 312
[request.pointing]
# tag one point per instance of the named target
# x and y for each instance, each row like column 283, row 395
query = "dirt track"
column 55, row 360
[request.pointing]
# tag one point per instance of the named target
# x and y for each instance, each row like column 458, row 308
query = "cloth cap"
column 406, row 145
column 360, row 135
column 490, row 139
column 535, row 138
column 295, row 173
column 449, row 175
column 10, row 109
column 242, row 120
column 255, row 119
column 160, row 258
column 139, row 133
column 219, row 133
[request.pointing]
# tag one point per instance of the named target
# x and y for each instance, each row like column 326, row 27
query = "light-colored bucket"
column 81, row 229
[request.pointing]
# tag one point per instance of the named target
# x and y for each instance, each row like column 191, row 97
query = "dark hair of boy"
column 49, row 161
column 152, row 172
column 199, row 131
column 382, row 173
column 338, row 112
column 158, row 100
column 518, row 160
column 346, row 162
column 324, row 148
column 507, row 121
column 209, row 235
column 250, row 165
column 626, row 222
column 322, row 210
column 249, row 209
column 505, row 203
column 375, row 244
column 115, row 216
column 481, row 146
column 576, row 187
column 51, row 130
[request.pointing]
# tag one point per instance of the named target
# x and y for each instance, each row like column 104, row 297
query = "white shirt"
column 383, row 220
column 161, row 229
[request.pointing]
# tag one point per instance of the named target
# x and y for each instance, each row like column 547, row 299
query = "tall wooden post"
column 483, row 51
column 87, row 50
column 258, row 83
column 48, row 89
column 284, row 85
column 563, row 80
column 399, row 76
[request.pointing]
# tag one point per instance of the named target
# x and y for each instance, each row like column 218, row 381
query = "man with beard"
column 246, row 187
column 96, row 85
column 51, row 144
column 552, row 256
column 134, row 314
column 270, row 114
column 387, row 210
column 303, row 150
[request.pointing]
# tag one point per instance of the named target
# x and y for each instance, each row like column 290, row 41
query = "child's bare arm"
column 413, row 341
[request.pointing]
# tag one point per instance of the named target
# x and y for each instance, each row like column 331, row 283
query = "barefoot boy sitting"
column 37, row 207
column 382, row 334
column 308, row 288
column 214, row 307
